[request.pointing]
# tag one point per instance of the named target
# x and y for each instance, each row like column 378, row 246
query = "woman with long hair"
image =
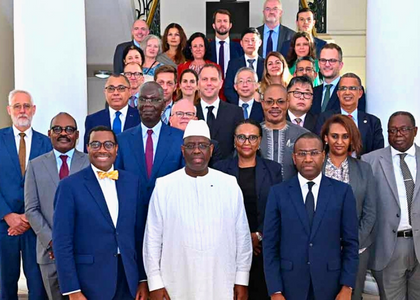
column 152, row 48
column 275, row 71
column 174, row 41
column 188, row 86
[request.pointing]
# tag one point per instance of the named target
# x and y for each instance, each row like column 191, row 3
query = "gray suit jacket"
column 40, row 185
column 388, row 207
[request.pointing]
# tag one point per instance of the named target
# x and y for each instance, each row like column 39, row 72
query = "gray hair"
column 13, row 93
column 243, row 69
column 149, row 37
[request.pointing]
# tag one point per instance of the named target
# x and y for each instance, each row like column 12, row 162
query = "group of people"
column 217, row 170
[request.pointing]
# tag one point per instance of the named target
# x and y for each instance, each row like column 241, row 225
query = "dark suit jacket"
column 318, row 44
column 223, row 129
column 257, row 113
column 168, row 155
column 295, row 254
column 11, row 180
column 102, row 118
column 118, row 56
column 267, row 174
column 233, row 67
column 310, row 121
column 285, row 34
column 234, row 48
column 363, row 185
column 86, row 241
column 334, row 102
column 369, row 126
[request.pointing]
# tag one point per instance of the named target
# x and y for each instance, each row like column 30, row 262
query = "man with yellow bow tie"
column 98, row 227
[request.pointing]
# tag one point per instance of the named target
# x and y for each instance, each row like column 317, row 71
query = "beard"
column 222, row 32
column 22, row 120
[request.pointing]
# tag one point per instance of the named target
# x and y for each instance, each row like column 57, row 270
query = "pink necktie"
column 149, row 152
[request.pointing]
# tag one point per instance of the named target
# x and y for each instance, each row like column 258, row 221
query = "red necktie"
column 149, row 152
column 64, row 170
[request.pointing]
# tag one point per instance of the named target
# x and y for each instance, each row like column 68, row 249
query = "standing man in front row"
column 310, row 241
column 197, row 242
column 396, row 252
column 42, row 178
column 98, row 228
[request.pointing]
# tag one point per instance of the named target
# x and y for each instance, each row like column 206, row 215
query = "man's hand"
column 344, row 294
column 240, row 292
column 18, row 224
column 77, row 296
column 277, row 297
column 256, row 246
column 160, row 294
column 142, row 291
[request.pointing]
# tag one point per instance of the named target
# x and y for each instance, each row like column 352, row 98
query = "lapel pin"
column 364, row 121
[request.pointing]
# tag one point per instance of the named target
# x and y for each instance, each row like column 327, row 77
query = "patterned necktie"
column 310, row 203
column 269, row 43
column 251, row 63
column 326, row 97
column 149, row 152
column 111, row 175
column 408, row 183
column 22, row 153
column 116, row 125
column 298, row 121
column 164, row 118
column 210, row 116
column 64, row 170
column 222, row 56
column 245, row 108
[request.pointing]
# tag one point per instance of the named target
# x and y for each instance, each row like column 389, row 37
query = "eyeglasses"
column 242, row 138
column 242, row 82
column 108, row 145
column 120, row 88
column 154, row 101
column 332, row 61
column 135, row 74
column 402, row 130
column 67, row 129
column 303, row 154
column 25, row 106
column 201, row 146
column 349, row 88
column 305, row 70
column 298, row 94
column 181, row 114
column 271, row 102
column 274, row 9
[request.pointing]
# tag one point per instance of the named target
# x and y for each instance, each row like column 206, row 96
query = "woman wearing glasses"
column 342, row 139
column 255, row 176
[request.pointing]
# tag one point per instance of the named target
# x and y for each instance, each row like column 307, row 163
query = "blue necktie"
column 116, row 125
column 245, row 108
column 269, row 44
column 251, row 63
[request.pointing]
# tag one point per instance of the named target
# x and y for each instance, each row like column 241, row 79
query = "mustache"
column 63, row 137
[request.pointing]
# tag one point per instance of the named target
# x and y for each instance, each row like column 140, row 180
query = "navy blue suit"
column 235, row 50
column 296, row 255
column 257, row 113
column 318, row 45
column 233, row 67
column 369, row 126
column 12, row 201
column 334, row 102
column 118, row 56
column 285, row 34
column 168, row 155
column 102, row 118
column 86, row 240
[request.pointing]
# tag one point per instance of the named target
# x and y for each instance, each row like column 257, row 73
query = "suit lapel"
column 260, row 67
column 76, row 162
column 353, row 173
column 9, row 142
column 282, row 37
column 324, row 195
column 260, row 174
column 200, row 115
column 35, row 145
column 388, row 169
column 362, row 123
column 137, row 150
column 333, row 99
column 297, row 200
column 417, row 185
column 50, row 163
column 106, row 119
column 163, row 146
column 123, row 207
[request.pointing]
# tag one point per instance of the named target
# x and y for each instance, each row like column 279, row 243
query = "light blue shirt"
column 333, row 83
column 167, row 111
column 58, row 160
column 353, row 114
column 136, row 43
column 274, row 37
column 155, row 136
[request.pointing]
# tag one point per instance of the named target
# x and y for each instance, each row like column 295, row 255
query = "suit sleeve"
column 230, row 93
column 271, row 244
column 378, row 137
column 119, row 161
column 362, row 102
column 368, row 217
column 4, row 207
column 118, row 59
column 349, row 240
column 32, row 209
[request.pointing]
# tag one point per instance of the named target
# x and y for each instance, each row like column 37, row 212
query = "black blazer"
column 310, row 121
column 267, row 174
column 233, row 67
column 223, row 129
column 257, row 113
column 118, row 57
column 369, row 126
column 234, row 48
column 285, row 34
column 334, row 102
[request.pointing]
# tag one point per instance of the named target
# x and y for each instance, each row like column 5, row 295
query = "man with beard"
column 222, row 48
column 279, row 134
column 18, row 144
column 134, row 73
column 197, row 243
column 165, row 76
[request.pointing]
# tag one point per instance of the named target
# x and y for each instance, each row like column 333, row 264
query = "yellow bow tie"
column 111, row 175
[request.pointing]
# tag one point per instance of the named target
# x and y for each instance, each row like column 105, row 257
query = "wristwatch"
column 259, row 236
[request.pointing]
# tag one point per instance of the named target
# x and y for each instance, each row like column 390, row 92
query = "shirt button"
column 310, row 245
column 308, row 262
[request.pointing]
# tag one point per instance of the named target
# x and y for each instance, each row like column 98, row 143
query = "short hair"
column 265, row 2
column 207, row 51
column 300, row 79
column 351, row 128
column 251, row 122
column 149, row 37
column 135, row 64
column 403, row 113
column 165, row 69
column 351, row 75
column 117, row 75
column 176, row 103
column 133, row 47
column 306, row 58
column 222, row 12
column 102, row 128
column 308, row 136
column 252, row 30
column 243, row 69
column 179, row 56
column 213, row 66
column 66, row 114
column 152, row 84
column 13, row 93
column 273, row 86
column 302, row 10
column 336, row 47
column 291, row 55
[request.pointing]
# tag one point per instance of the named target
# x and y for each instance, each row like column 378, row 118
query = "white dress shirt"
column 293, row 118
column 155, row 136
column 58, row 160
column 123, row 116
column 303, row 182
column 410, row 159
column 226, row 48
column 28, row 142
column 250, row 104
column 215, row 109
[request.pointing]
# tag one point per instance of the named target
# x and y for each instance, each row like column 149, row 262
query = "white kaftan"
column 197, row 242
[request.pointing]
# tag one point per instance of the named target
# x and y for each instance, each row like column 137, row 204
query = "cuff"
column 72, row 292
column 155, row 282
column 242, row 278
